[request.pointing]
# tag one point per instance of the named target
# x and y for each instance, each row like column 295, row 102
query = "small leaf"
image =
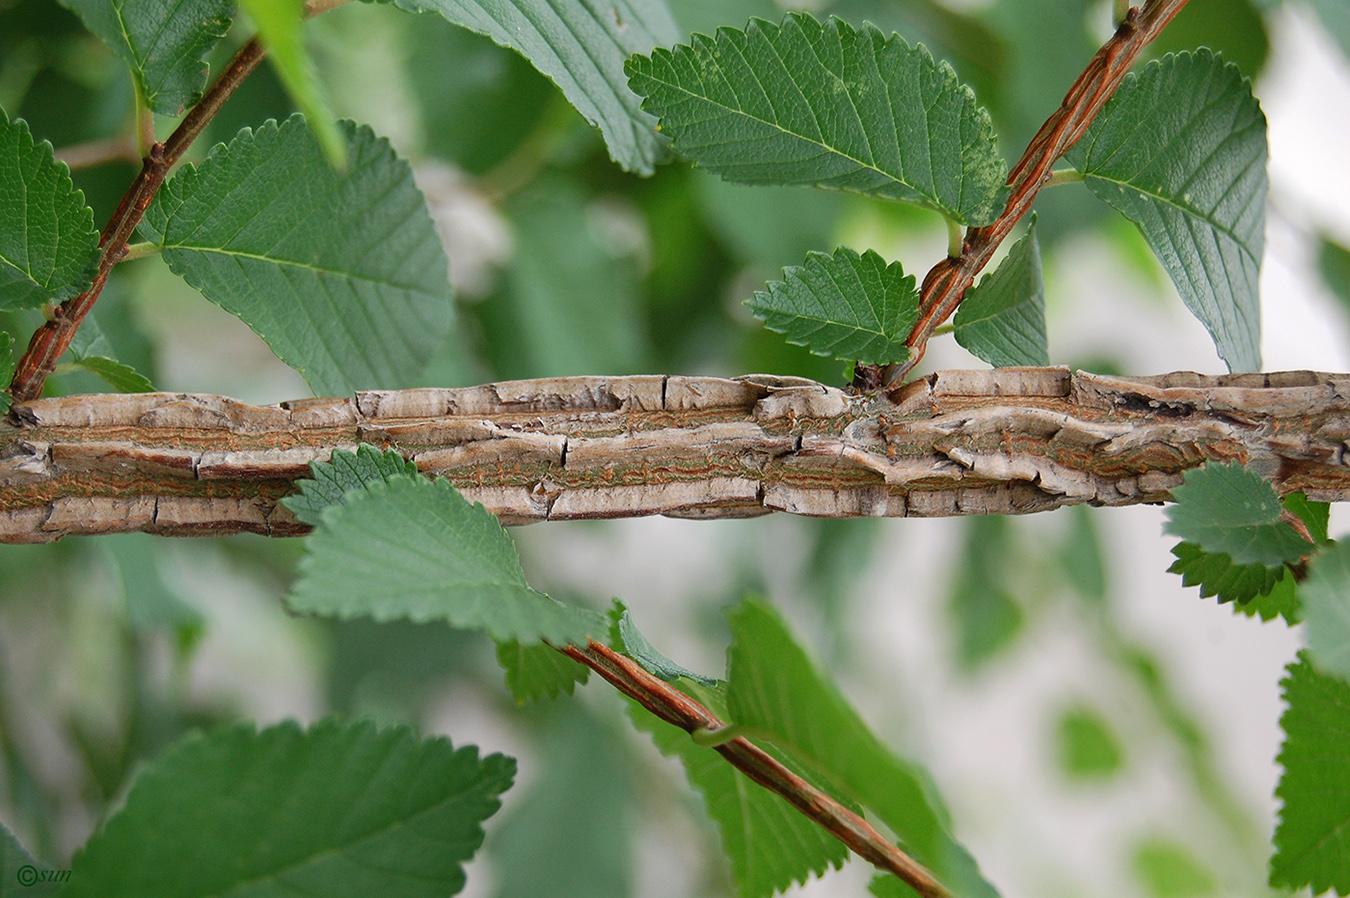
column 164, row 42
column 1216, row 574
column 1229, row 509
column 122, row 378
column 1312, row 841
column 336, row 810
column 537, row 672
column 1169, row 870
column 1002, row 319
column 1281, row 601
column 1326, row 603
column 344, row 471
column 851, row 307
column 1180, row 150
column 48, row 245
column 824, row 105
column 415, row 549
column 342, row 274
column 636, row 646
column 1086, row 747
column 983, row 611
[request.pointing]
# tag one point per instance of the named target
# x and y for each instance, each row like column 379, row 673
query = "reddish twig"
column 674, row 707
column 946, row 283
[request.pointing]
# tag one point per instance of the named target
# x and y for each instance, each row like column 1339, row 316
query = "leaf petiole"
column 711, row 737
column 956, row 236
column 140, row 250
column 1063, row 176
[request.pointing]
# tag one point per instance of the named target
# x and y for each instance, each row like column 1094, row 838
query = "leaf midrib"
column 293, row 263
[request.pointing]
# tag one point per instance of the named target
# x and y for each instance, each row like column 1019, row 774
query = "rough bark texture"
column 1009, row 441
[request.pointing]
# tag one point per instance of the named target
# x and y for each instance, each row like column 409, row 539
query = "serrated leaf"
column 851, row 307
column 48, row 245
column 774, row 690
column 340, row 809
column 537, row 672
column 20, row 875
column 344, row 471
column 1002, row 319
column 1325, row 594
column 1312, row 841
column 122, row 378
column 164, row 42
column 1217, row 575
column 415, row 549
column 1316, row 516
column 637, row 647
column 342, row 274
column 581, row 45
column 1281, row 601
column 1180, row 150
column 1231, row 510
column 825, row 105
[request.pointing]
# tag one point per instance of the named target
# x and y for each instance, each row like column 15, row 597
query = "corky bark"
column 1009, row 441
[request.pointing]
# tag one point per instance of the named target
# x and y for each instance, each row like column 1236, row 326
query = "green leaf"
column 20, row 875
column 1333, row 263
column 48, row 245
column 1281, row 601
column 1316, row 516
column 344, row 471
column 985, row 615
column 537, row 672
column 340, row 809
column 1312, row 841
column 1229, row 509
column 415, row 549
column 1086, row 747
column 827, row 106
column 1216, row 574
column 581, row 46
column 280, row 25
column 6, row 369
column 774, row 690
column 1335, row 17
column 1180, row 150
column 847, row 306
column 122, row 378
column 1002, row 319
column 1326, row 603
column 164, row 42
column 636, row 646
column 342, row 274
column 1167, row 869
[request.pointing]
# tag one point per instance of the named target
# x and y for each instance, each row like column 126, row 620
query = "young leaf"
column 122, row 378
column 48, row 245
column 416, row 549
column 827, row 106
column 344, row 471
column 342, row 274
column 164, row 43
column 774, row 689
column 1229, row 509
column 17, row 868
column 1180, row 150
column 1002, row 319
column 340, row 809
column 537, row 672
column 1326, row 603
column 581, row 46
column 1311, row 840
column 636, row 646
column 847, row 306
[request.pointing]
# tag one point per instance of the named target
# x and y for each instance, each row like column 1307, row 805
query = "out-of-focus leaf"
column 1002, row 318
column 1233, row 28
column 20, row 874
column 770, row 226
column 1333, row 263
column 1081, row 557
column 988, row 619
column 537, row 672
column 1229, row 509
column 344, row 471
column 706, row 16
column 6, row 369
column 1167, row 869
column 1335, row 16
column 1326, row 603
column 1086, row 746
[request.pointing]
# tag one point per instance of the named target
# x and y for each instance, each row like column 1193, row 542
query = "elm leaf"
column 1002, row 319
column 1326, row 604
column 1231, row 510
column 344, row 471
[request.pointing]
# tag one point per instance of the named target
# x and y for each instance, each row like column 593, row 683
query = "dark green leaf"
column 847, row 306
column 537, row 672
column 1169, row 870
column 1316, row 516
column 1002, row 319
column 1086, row 747
column 342, row 274
column 1281, row 601
column 415, row 549
column 20, row 875
column 1229, row 509
column 1326, row 604
column 336, row 810
column 825, row 105
column 1333, row 263
column 1180, row 150
column 162, row 41
column 344, row 471
column 1231, row 28
column 636, row 646
column 48, row 245
column 1312, row 841
column 1216, row 574
column 581, row 46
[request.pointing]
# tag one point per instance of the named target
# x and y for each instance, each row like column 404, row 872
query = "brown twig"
column 946, row 283
column 674, row 707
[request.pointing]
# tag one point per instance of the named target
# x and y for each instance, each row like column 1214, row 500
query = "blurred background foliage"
column 564, row 264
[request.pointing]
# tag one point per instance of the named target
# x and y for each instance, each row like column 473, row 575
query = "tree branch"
column 1008, row 441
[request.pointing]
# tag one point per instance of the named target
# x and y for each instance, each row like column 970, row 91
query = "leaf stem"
column 145, row 127
column 1063, row 176
column 955, row 237
column 140, row 250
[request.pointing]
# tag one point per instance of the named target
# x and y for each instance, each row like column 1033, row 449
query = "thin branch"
column 674, row 707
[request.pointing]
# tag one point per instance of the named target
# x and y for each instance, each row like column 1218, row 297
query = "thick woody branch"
column 1009, row 441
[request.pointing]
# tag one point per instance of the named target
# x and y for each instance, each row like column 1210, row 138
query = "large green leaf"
column 342, row 274
column 344, row 472
column 581, row 45
column 337, row 810
column 1002, row 319
column 1312, row 841
column 48, row 245
column 1326, row 604
column 822, row 104
column 776, row 692
column 1180, row 150
column 1231, row 510
column 847, row 306
column 162, row 41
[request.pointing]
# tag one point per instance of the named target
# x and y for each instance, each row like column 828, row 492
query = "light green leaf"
column 1229, row 509
column 6, row 369
column 122, row 378
column 537, row 672
column 984, row 613
column 1002, row 319
column 1312, row 841
column 1335, row 15
column 1167, row 869
column 1086, row 747
column 48, row 245
column 342, row 274
column 847, row 306
column 1326, row 603
column 824, row 105
column 581, row 45
column 1333, row 263
column 1180, row 150
column 20, row 875
column 344, row 471
column 775, row 691
column 415, row 549
column 637, row 647
column 336, row 810
column 164, row 43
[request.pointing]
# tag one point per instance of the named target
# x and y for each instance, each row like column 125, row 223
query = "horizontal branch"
column 1009, row 441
